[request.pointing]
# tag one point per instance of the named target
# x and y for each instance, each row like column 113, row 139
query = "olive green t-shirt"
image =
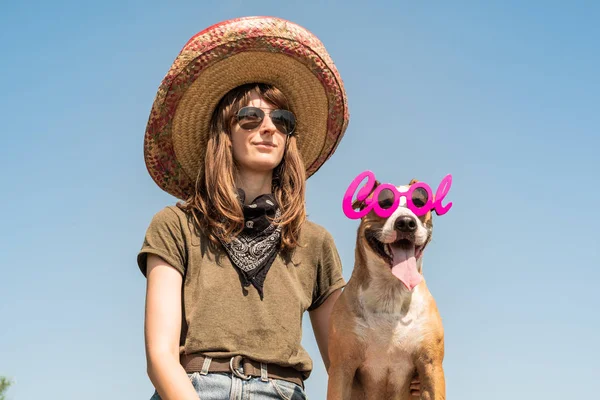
column 221, row 317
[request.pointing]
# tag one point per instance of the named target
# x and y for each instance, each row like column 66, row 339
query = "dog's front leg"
column 341, row 378
column 344, row 357
column 433, row 385
column 345, row 352
column 431, row 376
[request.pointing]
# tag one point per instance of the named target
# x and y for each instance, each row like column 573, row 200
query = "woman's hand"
column 415, row 386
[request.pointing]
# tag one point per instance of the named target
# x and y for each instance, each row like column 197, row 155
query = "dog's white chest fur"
column 393, row 327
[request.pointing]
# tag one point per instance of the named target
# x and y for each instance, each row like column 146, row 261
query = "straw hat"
column 224, row 56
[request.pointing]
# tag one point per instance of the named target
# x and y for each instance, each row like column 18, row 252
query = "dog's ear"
column 360, row 204
column 413, row 182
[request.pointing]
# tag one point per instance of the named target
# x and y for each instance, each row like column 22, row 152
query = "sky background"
column 504, row 95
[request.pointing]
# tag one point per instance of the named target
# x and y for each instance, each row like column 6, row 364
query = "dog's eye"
column 386, row 199
column 419, row 197
column 418, row 202
column 386, row 203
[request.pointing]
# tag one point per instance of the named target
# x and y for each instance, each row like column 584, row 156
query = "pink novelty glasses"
column 386, row 197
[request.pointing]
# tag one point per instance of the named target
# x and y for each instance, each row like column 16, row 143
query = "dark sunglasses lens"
column 385, row 199
column 284, row 121
column 250, row 117
column 419, row 197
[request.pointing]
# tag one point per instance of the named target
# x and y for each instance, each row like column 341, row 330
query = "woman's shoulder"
column 170, row 212
column 172, row 215
column 315, row 234
column 167, row 215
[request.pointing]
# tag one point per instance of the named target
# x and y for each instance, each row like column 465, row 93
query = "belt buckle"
column 234, row 364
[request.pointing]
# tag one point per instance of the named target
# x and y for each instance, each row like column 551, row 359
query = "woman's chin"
column 260, row 166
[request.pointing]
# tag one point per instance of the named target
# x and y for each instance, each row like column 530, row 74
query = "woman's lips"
column 265, row 145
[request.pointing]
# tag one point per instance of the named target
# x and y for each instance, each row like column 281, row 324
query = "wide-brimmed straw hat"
column 229, row 54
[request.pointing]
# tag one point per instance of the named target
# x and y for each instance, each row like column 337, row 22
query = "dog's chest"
column 393, row 335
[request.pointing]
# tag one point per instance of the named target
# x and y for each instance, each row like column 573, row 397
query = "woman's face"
column 260, row 149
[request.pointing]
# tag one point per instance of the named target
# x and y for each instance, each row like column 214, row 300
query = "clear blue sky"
column 504, row 95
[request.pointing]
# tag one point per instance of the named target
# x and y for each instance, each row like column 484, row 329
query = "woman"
column 231, row 270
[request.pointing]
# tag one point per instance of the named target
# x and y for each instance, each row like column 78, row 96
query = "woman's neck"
column 254, row 184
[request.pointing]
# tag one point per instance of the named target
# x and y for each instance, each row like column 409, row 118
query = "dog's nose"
column 406, row 224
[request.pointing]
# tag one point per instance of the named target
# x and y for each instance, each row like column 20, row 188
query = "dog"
column 385, row 328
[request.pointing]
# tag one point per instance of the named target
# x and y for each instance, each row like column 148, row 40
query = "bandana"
column 253, row 251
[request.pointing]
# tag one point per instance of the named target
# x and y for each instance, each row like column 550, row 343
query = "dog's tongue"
column 405, row 266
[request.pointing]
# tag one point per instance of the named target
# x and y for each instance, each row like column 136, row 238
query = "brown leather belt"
column 249, row 368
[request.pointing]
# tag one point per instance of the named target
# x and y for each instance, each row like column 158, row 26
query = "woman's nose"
column 267, row 125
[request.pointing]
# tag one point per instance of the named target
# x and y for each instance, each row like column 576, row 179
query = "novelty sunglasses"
column 385, row 199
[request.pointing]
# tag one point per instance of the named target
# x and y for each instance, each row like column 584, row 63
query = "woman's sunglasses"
column 251, row 117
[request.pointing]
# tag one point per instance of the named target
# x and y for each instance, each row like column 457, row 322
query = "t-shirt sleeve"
column 329, row 272
column 164, row 238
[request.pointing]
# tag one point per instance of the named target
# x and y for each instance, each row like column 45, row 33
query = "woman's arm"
column 319, row 317
column 163, row 329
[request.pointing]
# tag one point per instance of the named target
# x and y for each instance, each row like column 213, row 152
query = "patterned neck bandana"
column 253, row 251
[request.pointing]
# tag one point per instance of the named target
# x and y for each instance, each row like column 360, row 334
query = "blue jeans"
column 226, row 386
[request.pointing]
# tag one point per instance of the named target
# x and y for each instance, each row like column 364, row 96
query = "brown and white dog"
column 385, row 327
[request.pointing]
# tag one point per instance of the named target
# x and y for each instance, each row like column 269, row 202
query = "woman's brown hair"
column 215, row 205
